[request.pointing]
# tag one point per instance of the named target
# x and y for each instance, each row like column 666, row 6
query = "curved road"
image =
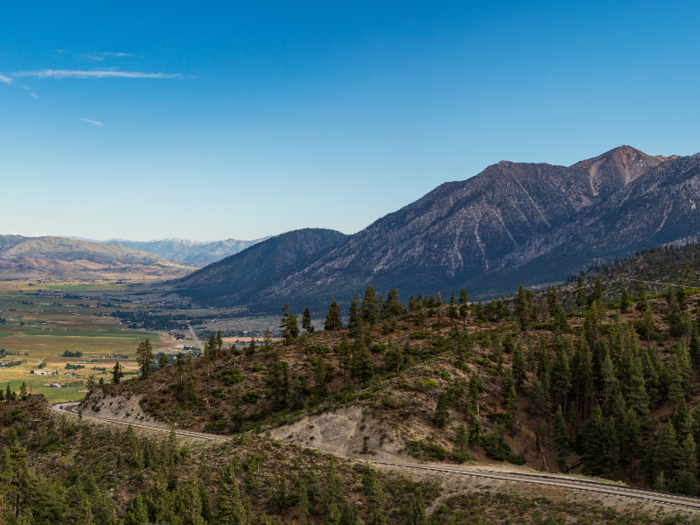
column 553, row 480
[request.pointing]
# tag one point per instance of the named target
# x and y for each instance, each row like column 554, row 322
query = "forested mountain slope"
column 235, row 277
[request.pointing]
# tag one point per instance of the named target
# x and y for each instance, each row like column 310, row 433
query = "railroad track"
column 552, row 480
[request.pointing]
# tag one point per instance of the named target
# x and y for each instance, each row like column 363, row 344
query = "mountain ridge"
column 513, row 221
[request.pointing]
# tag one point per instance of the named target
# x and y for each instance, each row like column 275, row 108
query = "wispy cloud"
column 99, row 57
column 100, row 73
column 5, row 80
column 93, row 122
column 34, row 95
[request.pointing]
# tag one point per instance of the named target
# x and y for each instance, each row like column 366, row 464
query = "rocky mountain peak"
column 616, row 168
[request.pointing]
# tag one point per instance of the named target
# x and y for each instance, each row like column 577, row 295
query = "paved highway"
column 553, row 480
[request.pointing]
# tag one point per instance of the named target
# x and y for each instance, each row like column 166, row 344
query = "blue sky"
column 148, row 120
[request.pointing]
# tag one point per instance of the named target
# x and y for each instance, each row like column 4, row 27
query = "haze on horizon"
column 170, row 120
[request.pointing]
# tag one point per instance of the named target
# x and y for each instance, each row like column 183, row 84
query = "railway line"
column 553, row 480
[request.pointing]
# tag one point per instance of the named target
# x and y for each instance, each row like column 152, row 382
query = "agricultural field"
column 43, row 323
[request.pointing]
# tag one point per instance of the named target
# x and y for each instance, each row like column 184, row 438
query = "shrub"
column 231, row 377
column 378, row 348
column 516, row 460
column 418, row 449
column 250, row 397
column 257, row 368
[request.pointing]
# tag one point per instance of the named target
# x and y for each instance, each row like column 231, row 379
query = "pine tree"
column 538, row 401
column 163, row 361
column 288, row 325
column 687, row 456
column 642, row 296
column 117, row 373
column 666, row 451
column 453, row 310
column 369, row 309
column 362, row 367
column 354, row 317
column 394, row 358
column 625, row 302
column 374, row 497
column 599, row 443
column 345, row 354
column 320, row 377
column 476, row 431
column 512, row 410
column 474, row 391
column 561, row 440
column 306, row 322
column 442, row 411
column 136, row 512
column 580, row 293
column 507, row 383
column 463, row 306
column 628, row 437
column 694, row 348
column 333, row 321
column 637, row 396
column 523, row 307
column 416, row 511
column 519, row 374
column 144, row 356
column 687, row 271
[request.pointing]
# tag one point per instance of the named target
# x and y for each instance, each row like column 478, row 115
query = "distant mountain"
column 237, row 276
column 513, row 223
column 58, row 256
column 192, row 253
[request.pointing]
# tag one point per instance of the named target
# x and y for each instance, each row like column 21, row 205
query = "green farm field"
column 39, row 329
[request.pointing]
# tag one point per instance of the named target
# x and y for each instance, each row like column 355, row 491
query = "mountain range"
column 192, row 253
column 49, row 256
column 513, row 223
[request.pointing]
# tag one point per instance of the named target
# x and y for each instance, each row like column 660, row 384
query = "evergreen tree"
column 333, row 321
column 523, row 307
column 476, row 431
column 512, row 411
column 687, row 456
column 519, row 374
column 162, row 361
column 306, row 322
column 136, row 512
column 453, row 310
column 666, row 451
column 144, row 356
column 252, row 347
column 117, row 373
column 642, row 296
column 374, row 498
column 463, row 306
column 599, row 443
column 507, row 383
column 344, row 351
column 354, row 317
column 580, row 292
column 369, row 309
column 625, row 302
column 628, row 437
column 637, row 396
column 442, row 411
column 561, row 440
column 394, row 358
column 362, row 367
column 416, row 511
column 538, row 402
column 694, row 348
column 474, row 391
